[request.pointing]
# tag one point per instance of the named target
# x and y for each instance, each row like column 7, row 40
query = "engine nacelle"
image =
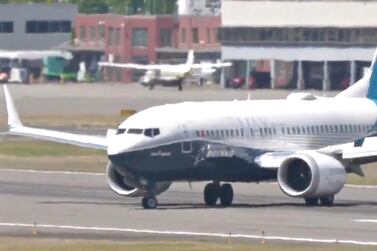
column 311, row 174
column 127, row 185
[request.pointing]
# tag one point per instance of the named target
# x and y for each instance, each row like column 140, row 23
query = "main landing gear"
column 214, row 191
column 326, row 201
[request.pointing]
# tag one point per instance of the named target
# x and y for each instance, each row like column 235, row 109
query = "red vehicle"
column 3, row 77
column 239, row 82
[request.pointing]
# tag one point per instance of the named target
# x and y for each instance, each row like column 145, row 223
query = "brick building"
column 146, row 39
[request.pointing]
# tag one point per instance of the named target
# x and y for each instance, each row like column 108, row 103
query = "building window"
column 165, row 37
column 110, row 36
column 6, row 27
column 117, row 36
column 101, row 32
column 215, row 35
column 183, row 35
column 208, row 35
column 48, row 26
column 195, row 35
column 93, row 33
column 82, row 32
column 140, row 37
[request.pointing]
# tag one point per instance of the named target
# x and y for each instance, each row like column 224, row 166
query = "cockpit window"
column 121, row 131
column 156, row 131
column 134, row 131
column 148, row 132
column 151, row 132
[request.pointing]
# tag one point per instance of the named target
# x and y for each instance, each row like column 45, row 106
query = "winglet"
column 13, row 119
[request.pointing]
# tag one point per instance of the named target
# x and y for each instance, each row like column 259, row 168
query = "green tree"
column 91, row 6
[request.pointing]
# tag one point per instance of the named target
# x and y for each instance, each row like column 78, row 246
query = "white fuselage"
column 273, row 125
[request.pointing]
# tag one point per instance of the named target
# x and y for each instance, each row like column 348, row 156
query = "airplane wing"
column 211, row 65
column 361, row 152
column 135, row 66
column 17, row 128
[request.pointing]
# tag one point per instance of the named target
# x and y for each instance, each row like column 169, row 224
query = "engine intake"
column 126, row 185
column 311, row 174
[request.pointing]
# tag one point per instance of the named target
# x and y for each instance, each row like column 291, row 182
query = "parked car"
column 239, row 82
column 3, row 77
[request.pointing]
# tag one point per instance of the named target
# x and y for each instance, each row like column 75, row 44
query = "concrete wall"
column 20, row 13
column 299, row 13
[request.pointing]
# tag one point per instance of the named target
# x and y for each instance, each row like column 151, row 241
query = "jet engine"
column 311, row 175
column 127, row 185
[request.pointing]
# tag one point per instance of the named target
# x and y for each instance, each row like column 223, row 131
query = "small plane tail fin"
column 366, row 87
column 190, row 58
column 13, row 118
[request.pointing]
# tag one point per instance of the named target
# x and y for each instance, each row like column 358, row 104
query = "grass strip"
column 30, row 244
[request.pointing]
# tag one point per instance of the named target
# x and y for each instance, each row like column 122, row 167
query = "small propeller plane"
column 170, row 75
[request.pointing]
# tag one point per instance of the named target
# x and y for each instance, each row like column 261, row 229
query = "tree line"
column 128, row 7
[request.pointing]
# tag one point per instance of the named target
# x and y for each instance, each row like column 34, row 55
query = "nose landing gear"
column 214, row 191
column 149, row 202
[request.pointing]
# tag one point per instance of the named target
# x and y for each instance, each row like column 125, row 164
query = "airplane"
column 307, row 143
column 171, row 75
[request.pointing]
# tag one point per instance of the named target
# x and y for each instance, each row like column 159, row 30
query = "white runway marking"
column 366, row 220
column 192, row 234
column 50, row 172
column 361, row 186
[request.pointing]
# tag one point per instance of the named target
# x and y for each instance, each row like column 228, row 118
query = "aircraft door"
column 186, row 144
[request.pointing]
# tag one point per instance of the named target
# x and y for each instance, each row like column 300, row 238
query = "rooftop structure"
column 326, row 44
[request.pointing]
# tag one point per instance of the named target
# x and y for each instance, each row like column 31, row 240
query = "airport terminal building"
column 298, row 44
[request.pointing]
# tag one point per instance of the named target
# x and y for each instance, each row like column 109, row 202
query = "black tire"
column 327, row 201
column 226, row 195
column 311, row 202
column 151, row 86
column 211, row 194
column 149, row 202
column 180, row 87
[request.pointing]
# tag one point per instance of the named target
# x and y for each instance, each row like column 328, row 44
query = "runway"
column 76, row 205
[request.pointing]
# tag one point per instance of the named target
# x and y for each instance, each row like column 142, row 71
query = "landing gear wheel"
column 327, row 201
column 211, row 194
column 180, row 87
column 226, row 194
column 151, row 86
column 311, row 202
column 149, row 202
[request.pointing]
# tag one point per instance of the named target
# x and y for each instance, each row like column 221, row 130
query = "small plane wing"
column 17, row 128
column 211, row 65
column 135, row 66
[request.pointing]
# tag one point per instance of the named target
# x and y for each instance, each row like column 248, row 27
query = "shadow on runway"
column 88, row 203
column 190, row 206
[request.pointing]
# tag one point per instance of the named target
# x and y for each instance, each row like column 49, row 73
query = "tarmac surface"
column 74, row 205
column 73, row 99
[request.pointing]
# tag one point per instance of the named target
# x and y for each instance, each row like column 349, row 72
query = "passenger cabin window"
column 121, row 131
column 134, row 131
